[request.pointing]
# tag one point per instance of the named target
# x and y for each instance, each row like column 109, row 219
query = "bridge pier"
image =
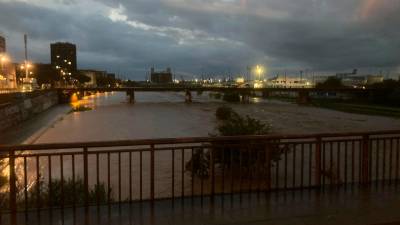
column 188, row 96
column 266, row 94
column 131, row 95
column 303, row 97
column 245, row 98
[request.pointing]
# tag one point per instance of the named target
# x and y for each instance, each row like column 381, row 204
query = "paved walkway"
column 344, row 206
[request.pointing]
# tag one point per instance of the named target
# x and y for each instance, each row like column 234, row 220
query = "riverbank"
column 349, row 106
column 29, row 131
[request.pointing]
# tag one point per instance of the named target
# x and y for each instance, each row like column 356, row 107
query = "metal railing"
column 8, row 90
column 96, row 173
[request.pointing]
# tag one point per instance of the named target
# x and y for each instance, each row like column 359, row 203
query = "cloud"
column 210, row 36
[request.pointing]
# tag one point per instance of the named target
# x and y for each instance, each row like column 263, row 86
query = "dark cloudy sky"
column 210, row 36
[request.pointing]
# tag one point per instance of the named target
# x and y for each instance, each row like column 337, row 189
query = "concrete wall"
column 24, row 106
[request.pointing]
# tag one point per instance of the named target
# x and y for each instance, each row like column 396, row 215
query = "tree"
column 385, row 93
column 80, row 77
column 331, row 82
column 46, row 74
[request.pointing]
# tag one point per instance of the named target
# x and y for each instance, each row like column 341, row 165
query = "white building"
column 289, row 82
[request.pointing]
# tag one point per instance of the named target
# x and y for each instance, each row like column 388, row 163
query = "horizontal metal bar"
column 166, row 141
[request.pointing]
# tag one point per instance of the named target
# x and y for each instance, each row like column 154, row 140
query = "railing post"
column 268, row 167
column 152, row 174
column 365, row 159
column 318, row 162
column 13, row 188
column 86, row 176
column 212, row 173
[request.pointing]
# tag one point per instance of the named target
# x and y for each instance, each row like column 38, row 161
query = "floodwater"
column 165, row 115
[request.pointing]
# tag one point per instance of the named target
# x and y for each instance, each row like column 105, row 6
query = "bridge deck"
column 190, row 88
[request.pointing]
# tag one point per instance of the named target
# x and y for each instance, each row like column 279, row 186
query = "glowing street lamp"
column 259, row 70
column 3, row 59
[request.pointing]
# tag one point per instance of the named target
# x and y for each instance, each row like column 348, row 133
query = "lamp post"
column 259, row 71
column 3, row 59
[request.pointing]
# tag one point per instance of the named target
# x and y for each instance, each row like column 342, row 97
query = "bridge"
column 303, row 94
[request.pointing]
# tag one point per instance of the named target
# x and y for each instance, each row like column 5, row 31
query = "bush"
column 331, row 82
column 223, row 112
column 231, row 97
column 385, row 93
column 238, row 125
column 74, row 191
column 80, row 108
column 200, row 161
column 233, row 153
column 215, row 95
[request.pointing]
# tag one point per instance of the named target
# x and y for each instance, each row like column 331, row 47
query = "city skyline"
column 130, row 37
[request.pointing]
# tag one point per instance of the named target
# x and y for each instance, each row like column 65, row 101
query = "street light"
column 259, row 70
column 3, row 59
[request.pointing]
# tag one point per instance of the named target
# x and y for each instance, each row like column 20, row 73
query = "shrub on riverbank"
column 223, row 113
column 69, row 191
column 231, row 97
column 53, row 195
column 231, row 154
column 215, row 95
column 80, row 108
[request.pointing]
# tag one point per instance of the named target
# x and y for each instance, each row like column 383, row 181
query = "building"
column 94, row 75
column 39, row 73
column 63, row 58
column 7, row 69
column 8, row 76
column 161, row 77
column 289, row 82
column 2, row 44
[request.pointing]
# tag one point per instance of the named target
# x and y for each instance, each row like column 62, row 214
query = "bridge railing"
column 96, row 173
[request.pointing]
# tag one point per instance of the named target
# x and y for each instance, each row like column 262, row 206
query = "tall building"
column 63, row 58
column 2, row 44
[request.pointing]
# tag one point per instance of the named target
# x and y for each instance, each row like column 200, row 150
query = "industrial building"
column 161, row 77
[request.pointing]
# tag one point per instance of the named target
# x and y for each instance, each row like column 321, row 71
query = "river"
column 165, row 115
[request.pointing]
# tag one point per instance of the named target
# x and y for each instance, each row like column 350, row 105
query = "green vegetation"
column 215, row 95
column 357, row 107
column 386, row 93
column 80, row 77
column 74, row 191
column 80, row 108
column 224, row 113
column 238, row 125
column 331, row 82
column 231, row 97
column 53, row 195
column 232, row 153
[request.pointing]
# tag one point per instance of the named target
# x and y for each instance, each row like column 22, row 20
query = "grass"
column 359, row 108
column 349, row 106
